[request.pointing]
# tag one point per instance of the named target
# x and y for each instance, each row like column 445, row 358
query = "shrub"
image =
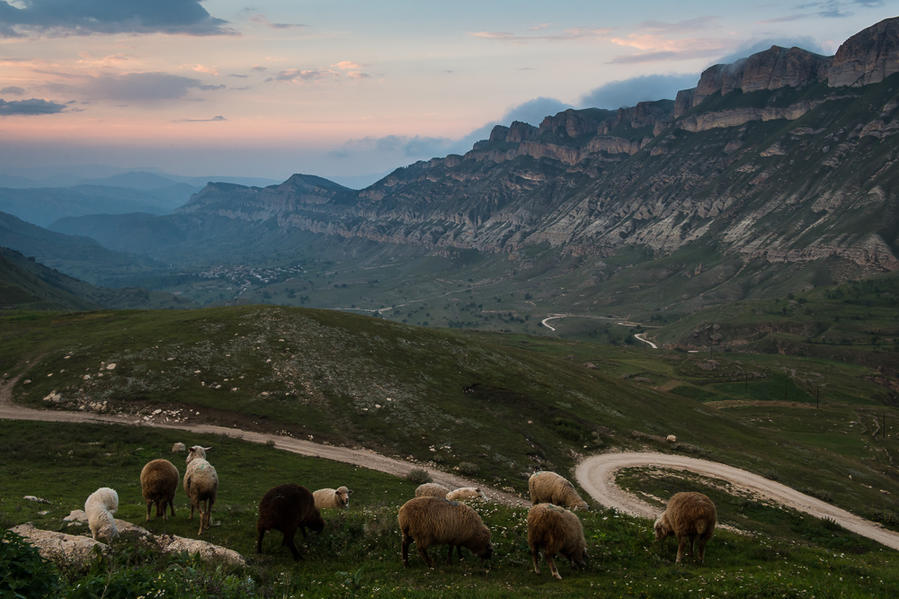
column 418, row 476
column 23, row 572
column 468, row 468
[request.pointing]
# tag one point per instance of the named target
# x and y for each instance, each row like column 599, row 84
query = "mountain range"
column 781, row 163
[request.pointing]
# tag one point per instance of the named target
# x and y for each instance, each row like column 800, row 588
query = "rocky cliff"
column 786, row 156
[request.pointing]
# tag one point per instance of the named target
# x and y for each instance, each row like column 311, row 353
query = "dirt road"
column 359, row 457
column 596, row 474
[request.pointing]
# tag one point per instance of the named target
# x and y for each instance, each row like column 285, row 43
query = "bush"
column 468, row 468
column 23, row 572
column 419, row 476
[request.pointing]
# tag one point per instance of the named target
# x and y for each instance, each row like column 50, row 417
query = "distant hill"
column 27, row 284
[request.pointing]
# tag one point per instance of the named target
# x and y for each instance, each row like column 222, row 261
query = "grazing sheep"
column 463, row 493
column 158, row 481
column 431, row 490
column 691, row 517
column 100, row 507
column 287, row 508
column 201, row 484
column 671, row 438
column 549, row 487
column 433, row 521
column 178, row 447
column 339, row 497
column 553, row 529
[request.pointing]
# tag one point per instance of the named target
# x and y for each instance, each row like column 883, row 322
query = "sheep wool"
column 464, row 493
column 338, row 498
column 287, row 508
column 431, row 490
column 553, row 529
column 201, row 485
column 430, row 521
column 158, row 482
column 691, row 518
column 99, row 508
column 549, row 487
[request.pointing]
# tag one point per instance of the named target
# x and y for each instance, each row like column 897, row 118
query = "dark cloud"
column 33, row 106
column 216, row 119
column 12, row 91
column 837, row 9
column 84, row 17
column 138, row 88
column 297, row 75
column 628, row 92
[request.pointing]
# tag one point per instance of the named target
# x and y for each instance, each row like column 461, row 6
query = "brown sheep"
column 549, row 487
column 431, row 490
column 691, row 517
column 158, row 481
column 430, row 521
column 553, row 529
column 287, row 508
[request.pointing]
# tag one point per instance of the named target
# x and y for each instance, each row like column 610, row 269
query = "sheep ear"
column 206, row 448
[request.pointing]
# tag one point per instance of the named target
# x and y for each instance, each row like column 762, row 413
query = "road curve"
column 359, row 457
column 596, row 475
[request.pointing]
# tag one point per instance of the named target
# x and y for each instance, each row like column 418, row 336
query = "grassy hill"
column 493, row 407
column 357, row 554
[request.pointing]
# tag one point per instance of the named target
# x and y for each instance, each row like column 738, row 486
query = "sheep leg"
column 172, row 506
column 552, row 566
column 288, row 542
column 407, row 540
column 259, row 535
column 423, row 551
column 681, row 546
column 449, row 555
column 535, row 555
column 700, row 549
column 148, row 511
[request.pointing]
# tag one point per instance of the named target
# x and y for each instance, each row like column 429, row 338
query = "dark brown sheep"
column 434, row 521
column 691, row 517
column 158, row 482
column 287, row 508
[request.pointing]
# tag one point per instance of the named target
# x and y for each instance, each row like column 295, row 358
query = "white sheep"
column 339, row 497
column 464, row 493
column 553, row 529
column 431, row 490
column 549, row 487
column 178, row 447
column 201, row 484
column 100, row 507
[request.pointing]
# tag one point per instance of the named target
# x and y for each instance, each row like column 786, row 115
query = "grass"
column 358, row 552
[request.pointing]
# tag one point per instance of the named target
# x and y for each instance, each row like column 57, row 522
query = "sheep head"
column 661, row 527
column 197, row 451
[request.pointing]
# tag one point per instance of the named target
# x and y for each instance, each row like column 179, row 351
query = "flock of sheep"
column 435, row 516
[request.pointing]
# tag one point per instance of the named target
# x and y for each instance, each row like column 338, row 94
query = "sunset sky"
column 342, row 89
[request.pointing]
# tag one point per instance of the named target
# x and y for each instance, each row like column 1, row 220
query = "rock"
column 869, row 56
column 202, row 549
column 178, row 447
column 60, row 547
column 35, row 499
column 671, row 438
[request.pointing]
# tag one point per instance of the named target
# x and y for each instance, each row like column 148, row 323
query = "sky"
column 352, row 89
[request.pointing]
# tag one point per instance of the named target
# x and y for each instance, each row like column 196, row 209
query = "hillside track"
column 358, row 457
column 596, row 475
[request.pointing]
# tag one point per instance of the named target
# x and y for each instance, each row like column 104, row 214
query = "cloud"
column 12, row 91
column 85, row 17
column 347, row 65
column 572, row 33
column 34, row 106
column 138, row 88
column 340, row 70
column 832, row 9
column 216, row 119
column 629, row 92
column 752, row 47
column 262, row 20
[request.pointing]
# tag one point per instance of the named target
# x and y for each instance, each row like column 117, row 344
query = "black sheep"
column 287, row 508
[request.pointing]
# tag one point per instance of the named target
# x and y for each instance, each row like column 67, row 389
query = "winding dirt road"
column 359, row 457
column 596, row 474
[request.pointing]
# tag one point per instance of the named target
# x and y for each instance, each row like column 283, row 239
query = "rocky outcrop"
column 60, row 547
column 869, row 56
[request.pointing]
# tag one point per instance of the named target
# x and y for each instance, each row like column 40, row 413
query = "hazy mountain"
column 785, row 160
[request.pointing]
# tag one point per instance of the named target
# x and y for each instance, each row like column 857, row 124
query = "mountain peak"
column 869, row 56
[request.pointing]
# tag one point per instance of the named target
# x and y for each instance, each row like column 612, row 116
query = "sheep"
column 691, row 517
column 201, row 484
column 158, row 481
column 549, row 487
column 99, row 508
column 553, row 530
column 431, row 490
column 434, row 521
column 671, row 438
column 178, row 447
column 463, row 493
column 287, row 508
column 339, row 497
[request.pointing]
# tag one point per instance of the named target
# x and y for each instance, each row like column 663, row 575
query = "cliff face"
column 786, row 156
